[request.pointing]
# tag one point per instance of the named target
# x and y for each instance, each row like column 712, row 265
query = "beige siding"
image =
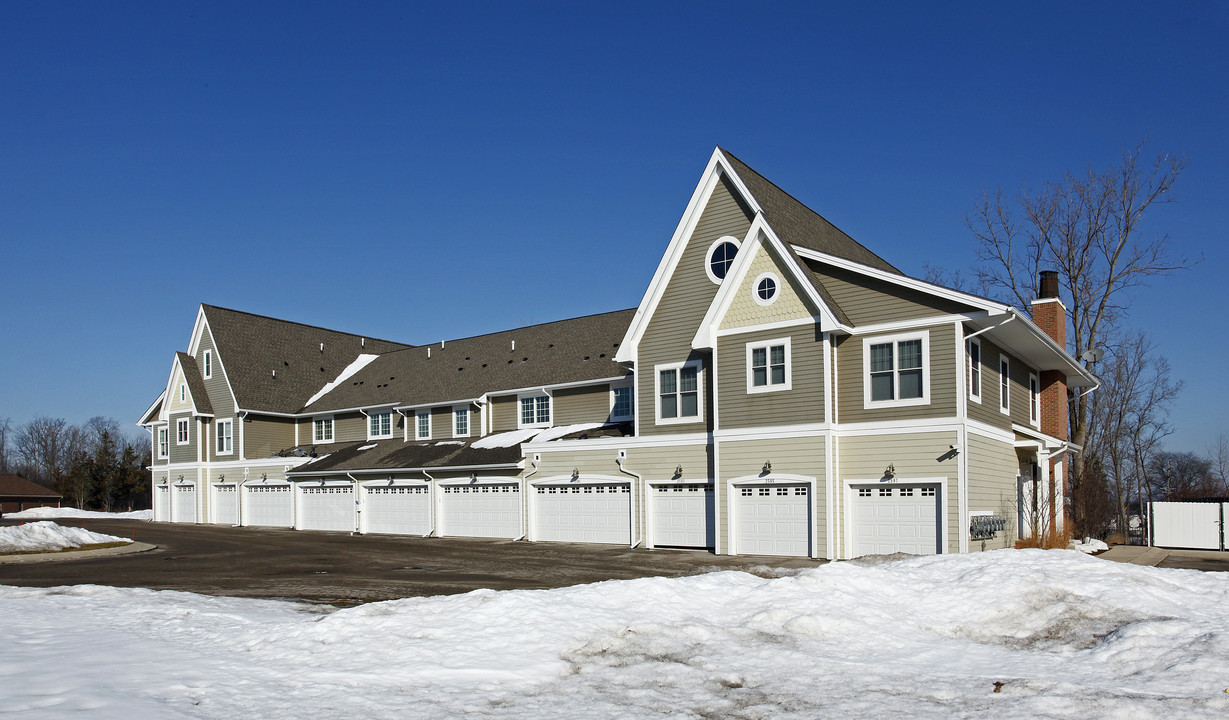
column 1019, row 392
column 792, row 456
column 503, row 413
column 942, row 380
column 174, row 405
column 992, row 487
column 987, row 411
column 263, row 436
column 744, row 310
column 802, row 403
column 216, row 386
column 153, row 448
column 914, row 455
column 867, row 301
column 184, row 453
column 581, row 405
column 688, row 294
column 441, row 423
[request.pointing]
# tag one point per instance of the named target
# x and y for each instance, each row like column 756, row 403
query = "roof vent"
column 321, row 347
column 274, row 373
column 428, row 353
column 513, row 344
column 362, row 342
column 441, row 344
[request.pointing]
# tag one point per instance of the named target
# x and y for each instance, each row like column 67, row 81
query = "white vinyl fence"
column 1193, row 525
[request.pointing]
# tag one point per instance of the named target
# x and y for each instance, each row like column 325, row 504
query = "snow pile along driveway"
column 42, row 513
column 47, row 536
column 1059, row 633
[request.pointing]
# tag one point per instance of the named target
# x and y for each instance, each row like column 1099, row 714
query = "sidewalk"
column 1135, row 555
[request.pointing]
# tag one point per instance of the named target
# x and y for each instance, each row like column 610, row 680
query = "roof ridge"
column 516, row 329
column 304, row 325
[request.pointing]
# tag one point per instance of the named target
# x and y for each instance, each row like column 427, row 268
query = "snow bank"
column 1068, row 636
column 1091, row 546
column 359, row 363
column 67, row 512
column 48, row 536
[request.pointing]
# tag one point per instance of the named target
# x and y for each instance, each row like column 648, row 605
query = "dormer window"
column 380, row 425
column 322, row 429
column 535, row 411
column 422, row 425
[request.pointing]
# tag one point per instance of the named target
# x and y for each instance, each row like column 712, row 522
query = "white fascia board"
column 629, row 442
column 1049, row 441
column 386, row 471
column 1032, row 345
column 554, row 386
column 201, row 321
column 150, row 409
column 758, row 237
column 903, row 280
column 717, row 166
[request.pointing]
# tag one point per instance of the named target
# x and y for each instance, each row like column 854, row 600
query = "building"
column 18, row 493
column 780, row 390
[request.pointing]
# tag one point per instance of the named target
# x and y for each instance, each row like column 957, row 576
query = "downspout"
column 431, row 488
column 537, row 458
column 640, row 482
column 357, row 510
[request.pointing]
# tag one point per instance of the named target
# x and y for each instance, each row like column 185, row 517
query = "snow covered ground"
column 48, row 536
column 44, row 513
column 1067, row 635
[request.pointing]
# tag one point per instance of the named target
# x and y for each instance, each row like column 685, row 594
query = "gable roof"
column 797, row 224
column 196, row 384
column 276, row 365
column 388, row 455
column 17, row 486
column 555, row 353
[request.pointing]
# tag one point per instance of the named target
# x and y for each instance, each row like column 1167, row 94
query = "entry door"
column 896, row 518
column 773, row 520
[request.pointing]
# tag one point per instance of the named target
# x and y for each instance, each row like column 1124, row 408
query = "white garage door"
column 225, row 503
column 268, row 505
column 591, row 513
column 899, row 518
column 185, row 503
column 773, row 520
column 397, row 509
column 683, row 516
column 327, row 507
column 162, row 503
column 481, row 510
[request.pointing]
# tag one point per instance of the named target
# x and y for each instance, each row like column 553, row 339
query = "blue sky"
column 427, row 172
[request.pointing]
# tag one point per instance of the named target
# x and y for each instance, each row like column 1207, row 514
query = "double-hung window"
column 620, row 403
column 896, row 370
column 460, row 422
column 678, row 393
column 975, row 370
column 1034, row 399
column 226, row 430
column 422, row 425
column 1004, row 385
column 164, row 442
column 768, row 366
column 181, row 431
column 535, row 411
column 322, row 430
column 380, row 425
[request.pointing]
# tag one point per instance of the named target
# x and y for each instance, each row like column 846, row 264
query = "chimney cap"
column 1047, row 284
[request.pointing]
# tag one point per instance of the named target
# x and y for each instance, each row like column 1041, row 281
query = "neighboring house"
column 18, row 493
column 780, row 390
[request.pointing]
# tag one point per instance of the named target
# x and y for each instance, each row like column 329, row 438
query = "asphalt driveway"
column 343, row 569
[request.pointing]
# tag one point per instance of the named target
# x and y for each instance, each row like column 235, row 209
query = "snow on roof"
column 505, row 439
column 359, row 363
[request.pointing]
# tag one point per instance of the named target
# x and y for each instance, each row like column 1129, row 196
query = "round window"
column 765, row 292
column 721, row 257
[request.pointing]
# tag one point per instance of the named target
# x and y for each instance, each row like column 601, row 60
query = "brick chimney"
column 1050, row 315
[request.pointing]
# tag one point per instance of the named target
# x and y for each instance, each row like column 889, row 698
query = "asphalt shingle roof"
column 573, row 350
column 397, row 455
column 17, row 486
column 196, row 385
column 276, row 365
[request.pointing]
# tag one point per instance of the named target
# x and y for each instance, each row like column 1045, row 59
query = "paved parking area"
column 344, row 569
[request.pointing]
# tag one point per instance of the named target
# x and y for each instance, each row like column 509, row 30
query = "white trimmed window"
column 975, row 370
column 207, row 362
column 720, row 257
column 768, row 366
column 679, row 398
column 765, row 289
column 896, row 370
column 422, row 425
column 164, row 442
column 322, row 430
column 1004, row 385
column 621, row 403
column 535, row 411
column 1034, row 399
column 181, row 431
column 225, row 444
column 183, row 392
column 380, row 425
column 460, row 422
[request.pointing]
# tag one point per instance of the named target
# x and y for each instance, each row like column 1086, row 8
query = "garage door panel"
column 397, row 510
column 591, row 513
column 487, row 510
column 896, row 519
column 162, row 503
column 267, row 505
column 773, row 520
column 184, row 500
column 225, row 504
column 327, row 508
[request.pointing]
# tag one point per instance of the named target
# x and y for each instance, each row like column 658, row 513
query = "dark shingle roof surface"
column 15, row 485
column 196, row 383
column 397, row 455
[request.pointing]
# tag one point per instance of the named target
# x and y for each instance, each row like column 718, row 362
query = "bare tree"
column 1086, row 227
column 1218, row 458
column 6, row 426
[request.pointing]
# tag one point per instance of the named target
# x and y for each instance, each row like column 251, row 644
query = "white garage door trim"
column 682, row 513
column 325, row 505
column 266, row 496
column 224, row 503
column 179, row 497
column 582, row 509
column 789, row 546
column 502, row 516
column 399, row 507
column 851, row 493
